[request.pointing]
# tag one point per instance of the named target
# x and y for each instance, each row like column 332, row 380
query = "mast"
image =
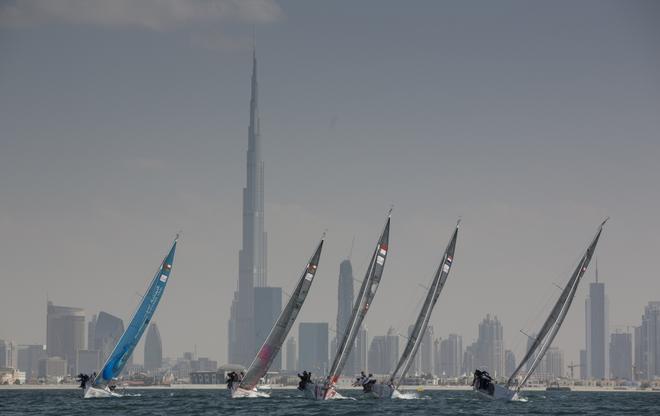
column 273, row 344
column 363, row 302
column 556, row 318
column 415, row 339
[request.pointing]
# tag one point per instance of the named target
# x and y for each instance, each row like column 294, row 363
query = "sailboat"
column 483, row 383
column 390, row 388
column 247, row 386
column 326, row 389
column 102, row 384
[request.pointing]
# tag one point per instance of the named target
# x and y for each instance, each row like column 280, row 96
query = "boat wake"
column 405, row 396
column 338, row 396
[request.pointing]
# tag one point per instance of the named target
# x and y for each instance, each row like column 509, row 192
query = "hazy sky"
column 123, row 122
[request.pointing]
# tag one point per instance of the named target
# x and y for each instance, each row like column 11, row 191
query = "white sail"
column 552, row 324
column 273, row 344
column 362, row 303
column 415, row 338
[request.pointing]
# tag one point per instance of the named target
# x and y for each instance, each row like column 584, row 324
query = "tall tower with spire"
column 252, row 256
column 596, row 307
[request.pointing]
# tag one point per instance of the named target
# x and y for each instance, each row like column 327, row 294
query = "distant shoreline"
column 586, row 389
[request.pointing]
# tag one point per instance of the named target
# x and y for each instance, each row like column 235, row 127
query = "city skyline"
column 531, row 145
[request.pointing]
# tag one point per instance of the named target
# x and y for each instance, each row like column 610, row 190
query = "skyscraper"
column 470, row 362
column 426, row 352
column 648, row 364
column 313, row 347
column 107, row 331
column 509, row 363
column 28, row 359
column 423, row 360
column 65, row 333
column 596, row 336
column 291, row 354
column 553, row 364
column 252, row 256
column 153, row 349
column 621, row 356
column 583, row 365
column 344, row 310
column 384, row 353
column 451, row 356
column 267, row 308
column 490, row 343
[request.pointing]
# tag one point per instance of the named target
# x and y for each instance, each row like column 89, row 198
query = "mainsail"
column 362, row 303
column 414, row 341
column 552, row 324
column 145, row 311
column 280, row 330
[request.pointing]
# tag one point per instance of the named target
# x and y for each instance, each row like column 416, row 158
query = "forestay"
column 273, row 344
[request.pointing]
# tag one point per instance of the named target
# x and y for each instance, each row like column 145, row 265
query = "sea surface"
column 172, row 402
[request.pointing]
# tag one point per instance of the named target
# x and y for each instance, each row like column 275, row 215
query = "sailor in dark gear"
column 231, row 379
column 483, row 381
column 83, row 379
column 305, row 378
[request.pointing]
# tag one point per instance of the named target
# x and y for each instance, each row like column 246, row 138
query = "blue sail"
column 129, row 339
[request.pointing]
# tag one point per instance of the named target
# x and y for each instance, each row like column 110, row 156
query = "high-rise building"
column 426, row 352
column 65, row 333
column 54, row 368
column 451, row 356
column 583, row 365
column 153, row 349
column 383, row 353
column 344, row 311
column 91, row 329
column 313, row 347
column 596, row 326
column 8, row 354
column 107, row 331
column 423, row 360
column 360, row 351
column 648, row 365
column 490, row 353
column 470, row 360
column 28, row 359
column 291, row 354
column 252, row 256
column 553, row 363
column 637, row 373
column 267, row 308
column 621, row 356
column 509, row 363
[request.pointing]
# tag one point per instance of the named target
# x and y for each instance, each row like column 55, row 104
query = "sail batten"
column 362, row 303
column 273, row 343
column 139, row 322
column 421, row 324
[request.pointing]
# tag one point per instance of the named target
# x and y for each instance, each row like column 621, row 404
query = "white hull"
column 97, row 392
column 254, row 393
column 319, row 392
column 499, row 393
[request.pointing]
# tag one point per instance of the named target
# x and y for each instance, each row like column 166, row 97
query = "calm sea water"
column 173, row 402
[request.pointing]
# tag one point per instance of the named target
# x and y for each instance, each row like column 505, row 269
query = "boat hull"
column 316, row 391
column 498, row 393
column 98, row 392
column 380, row 391
column 254, row 393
